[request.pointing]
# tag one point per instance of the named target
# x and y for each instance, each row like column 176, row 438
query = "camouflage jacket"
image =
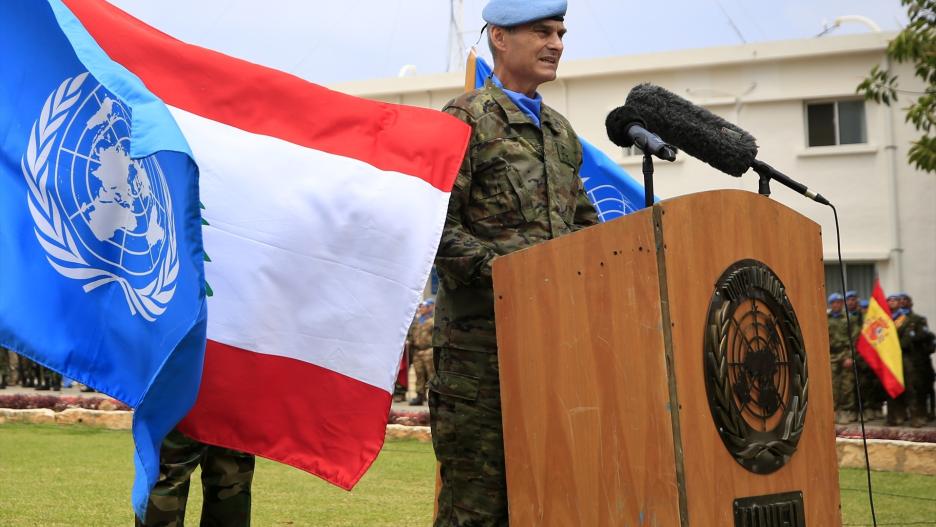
column 839, row 342
column 915, row 337
column 518, row 186
column 421, row 334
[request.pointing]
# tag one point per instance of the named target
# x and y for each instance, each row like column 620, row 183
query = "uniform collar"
column 515, row 115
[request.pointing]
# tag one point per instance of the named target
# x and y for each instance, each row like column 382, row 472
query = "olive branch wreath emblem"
column 54, row 235
column 759, row 452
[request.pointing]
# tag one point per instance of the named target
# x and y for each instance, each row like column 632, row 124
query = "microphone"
column 626, row 128
column 697, row 131
column 705, row 136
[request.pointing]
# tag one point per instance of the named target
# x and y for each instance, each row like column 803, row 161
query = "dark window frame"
column 836, row 122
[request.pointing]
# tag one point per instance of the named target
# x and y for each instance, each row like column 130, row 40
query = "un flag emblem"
column 101, row 216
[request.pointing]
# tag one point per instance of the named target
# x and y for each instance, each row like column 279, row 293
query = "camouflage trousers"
column 843, row 387
column 468, row 437
column 4, row 368
column 226, row 477
column 425, row 369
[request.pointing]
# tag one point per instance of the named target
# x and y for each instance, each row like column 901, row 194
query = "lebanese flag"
column 879, row 344
column 324, row 213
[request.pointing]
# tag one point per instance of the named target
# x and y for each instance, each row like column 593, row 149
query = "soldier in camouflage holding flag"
column 518, row 186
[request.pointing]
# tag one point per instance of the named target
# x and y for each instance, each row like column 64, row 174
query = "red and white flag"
column 324, row 213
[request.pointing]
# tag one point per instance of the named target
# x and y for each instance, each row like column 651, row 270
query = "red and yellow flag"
column 879, row 345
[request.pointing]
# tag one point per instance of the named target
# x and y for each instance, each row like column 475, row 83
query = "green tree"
column 915, row 44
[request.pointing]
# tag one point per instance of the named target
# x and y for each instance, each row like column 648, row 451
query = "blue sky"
column 345, row 40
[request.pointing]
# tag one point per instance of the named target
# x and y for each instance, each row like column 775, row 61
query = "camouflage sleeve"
column 462, row 259
column 585, row 213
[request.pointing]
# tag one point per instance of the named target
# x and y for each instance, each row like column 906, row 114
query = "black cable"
column 854, row 358
column 891, row 494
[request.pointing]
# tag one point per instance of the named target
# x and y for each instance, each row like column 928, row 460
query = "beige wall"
column 762, row 88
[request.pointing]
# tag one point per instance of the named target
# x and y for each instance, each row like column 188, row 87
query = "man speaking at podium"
column 518, row 186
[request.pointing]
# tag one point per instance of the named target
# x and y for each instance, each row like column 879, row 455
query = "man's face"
column 835, row 306
column 532, row 51
column 852, row 304
column 893, row 304
column 906, row 303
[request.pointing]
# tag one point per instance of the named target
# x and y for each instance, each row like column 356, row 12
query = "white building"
column 798, row 99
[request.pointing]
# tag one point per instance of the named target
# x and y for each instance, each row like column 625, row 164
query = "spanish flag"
column 879, row 345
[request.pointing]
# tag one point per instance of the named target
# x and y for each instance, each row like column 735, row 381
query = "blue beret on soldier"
column 894, row 295
column 863, row 303
column 849, row 294
column 509, row 13
column 835, row 296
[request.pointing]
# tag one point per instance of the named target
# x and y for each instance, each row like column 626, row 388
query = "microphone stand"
column 767, row 172
column 648, row 180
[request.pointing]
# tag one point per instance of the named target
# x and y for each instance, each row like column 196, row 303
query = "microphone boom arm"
column 767, row 172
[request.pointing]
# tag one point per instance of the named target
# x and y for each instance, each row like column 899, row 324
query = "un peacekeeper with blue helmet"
column 518, row 186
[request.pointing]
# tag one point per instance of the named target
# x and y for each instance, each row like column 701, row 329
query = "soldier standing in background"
column 916, row 342
column 518, row 186
column 4, row 367
column 843, row 373
column 897, row 407
column 872, row 391
column 422, row 350
column 28, row 372
column 48, row 379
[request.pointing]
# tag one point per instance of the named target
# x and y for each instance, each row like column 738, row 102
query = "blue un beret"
column 849, row 294
column 509, row 13
column 863, row 303
column 835, row 296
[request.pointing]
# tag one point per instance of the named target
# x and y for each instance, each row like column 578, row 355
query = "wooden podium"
column 608, row 419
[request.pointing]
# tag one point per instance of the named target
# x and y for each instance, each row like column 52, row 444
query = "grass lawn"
column 74, row 475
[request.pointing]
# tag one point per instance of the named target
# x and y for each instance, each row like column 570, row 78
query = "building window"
column 836, row 123
column 858, row 276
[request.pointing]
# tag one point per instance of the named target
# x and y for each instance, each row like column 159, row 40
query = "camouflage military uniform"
column 4, row 367
column 843, row 378
column 915, row 342
column 518, row 186
column 422, row 355
column 872, row 391
column 226, row 478
column 28, row 372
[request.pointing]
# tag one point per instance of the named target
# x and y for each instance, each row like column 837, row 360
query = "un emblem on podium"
column 755, row 367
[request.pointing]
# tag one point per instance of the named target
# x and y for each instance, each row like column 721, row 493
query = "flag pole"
column 471, row 69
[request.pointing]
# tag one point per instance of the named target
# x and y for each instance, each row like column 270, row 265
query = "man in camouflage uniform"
column 422, row 350
column 226, row 477
column 4, row 367
column 843, row 373
column 48, row 379
column 28, row 372
column 916, row 343
column 518, row 186
column 872, row 391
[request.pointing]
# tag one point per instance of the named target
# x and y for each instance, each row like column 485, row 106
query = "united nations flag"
column 101, row 273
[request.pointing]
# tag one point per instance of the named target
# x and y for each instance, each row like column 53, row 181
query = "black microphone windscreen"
column 617, row 123
column 695, row 130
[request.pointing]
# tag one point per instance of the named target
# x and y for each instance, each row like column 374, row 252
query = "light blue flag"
column 101, row 259
column 611, row 189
